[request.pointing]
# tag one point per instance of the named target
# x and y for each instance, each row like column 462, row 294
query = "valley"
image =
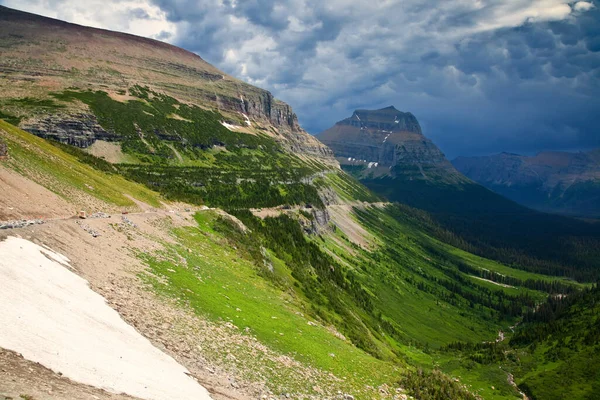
column 261, row 263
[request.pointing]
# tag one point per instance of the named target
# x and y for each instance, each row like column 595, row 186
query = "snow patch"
column 51, row 316
column 230, row 126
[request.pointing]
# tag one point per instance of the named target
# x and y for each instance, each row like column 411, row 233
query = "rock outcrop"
column 3, row 150
column 80, row 130
column 384, row 142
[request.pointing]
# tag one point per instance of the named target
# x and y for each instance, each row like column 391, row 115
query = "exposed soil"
column 342, row 216
column 222, row 359
column 21, row 198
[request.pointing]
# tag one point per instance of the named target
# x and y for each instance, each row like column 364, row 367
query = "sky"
column 482, row 76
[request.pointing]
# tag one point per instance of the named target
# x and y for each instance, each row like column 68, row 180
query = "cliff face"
column 80, row 130
column 550, row 181
column 385, row 142
column 42, row 56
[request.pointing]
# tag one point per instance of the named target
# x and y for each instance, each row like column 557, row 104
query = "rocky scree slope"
column 41, row 55
column 560, row 182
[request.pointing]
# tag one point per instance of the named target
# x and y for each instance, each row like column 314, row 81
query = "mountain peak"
column 384, row 120
column 385, row 141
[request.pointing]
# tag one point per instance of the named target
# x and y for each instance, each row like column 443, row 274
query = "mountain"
column 159, row 114
column 561, row 182
column 377, row 143
column 35, row 62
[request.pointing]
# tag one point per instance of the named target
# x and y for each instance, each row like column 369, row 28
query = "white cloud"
column 583, row 6
column 137, row 17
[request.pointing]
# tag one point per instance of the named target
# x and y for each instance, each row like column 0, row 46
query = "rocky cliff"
column 385, row 142
column 41, row 56
column 549, row 181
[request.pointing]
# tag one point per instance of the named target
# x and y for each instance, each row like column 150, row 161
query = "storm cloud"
column 481, row 76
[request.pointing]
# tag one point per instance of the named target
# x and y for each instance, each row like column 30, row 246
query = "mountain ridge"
column 553, row 181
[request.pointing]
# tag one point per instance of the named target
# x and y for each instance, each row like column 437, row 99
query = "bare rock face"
column 383, row 142
column 80, row 130
column 260, row 105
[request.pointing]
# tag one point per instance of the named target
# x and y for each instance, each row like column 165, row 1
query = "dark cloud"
column 503, row 76
column 139, row 13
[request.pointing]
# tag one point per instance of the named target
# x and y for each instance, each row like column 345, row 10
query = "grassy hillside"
column 378, row 292
column 63, row 174
column 480, row 221
column 185, row 153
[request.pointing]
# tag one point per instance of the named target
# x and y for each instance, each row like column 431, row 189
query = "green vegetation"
column 230, row 285
column 561, row 347
column 479, row 221
column 434, row 385
column 30, row 102
column 86, row 158
column 11, row 119
column 188, row 155
column 408, row 300
column 225, row 188
column 61, row 172
column 146, row 126
column 348, row 188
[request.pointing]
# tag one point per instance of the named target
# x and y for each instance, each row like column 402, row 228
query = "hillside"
column 178, row 245
column 156, row 110
column 560, row 182
column 41, row 56
column 371, row 291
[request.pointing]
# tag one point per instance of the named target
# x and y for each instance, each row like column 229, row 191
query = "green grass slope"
column 63, row 174
column 480, row 221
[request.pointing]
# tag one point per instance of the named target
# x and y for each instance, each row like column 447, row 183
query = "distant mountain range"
column 561, row 182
